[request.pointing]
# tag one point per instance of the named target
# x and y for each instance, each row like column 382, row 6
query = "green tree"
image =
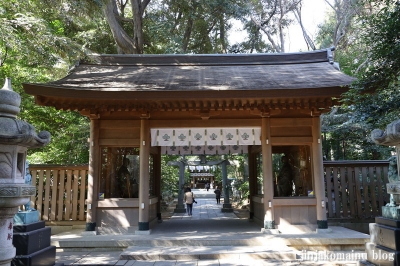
column 271, row 17
column 376, row 93
column 381, row 34
column 121, row 22
column 366, row 49
column 169, row 178
column 181, row 26
column 38, row 43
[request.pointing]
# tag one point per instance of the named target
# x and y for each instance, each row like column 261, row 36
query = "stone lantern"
column 16, row 137
column 384, row 248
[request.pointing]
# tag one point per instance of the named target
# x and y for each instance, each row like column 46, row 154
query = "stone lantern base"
column 32, row 243
column 384, row 245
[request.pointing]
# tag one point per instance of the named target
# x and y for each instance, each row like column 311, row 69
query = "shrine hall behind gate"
column 143, row 106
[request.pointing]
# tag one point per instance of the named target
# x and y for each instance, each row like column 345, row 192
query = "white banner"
column 223, row 149
column 197, row 137
column 165, row 137
column 182, row 137
column 229, row 136
column 257, row 136
column 197, row 149
column 210, row 150
column 185, row 141
column 154, row 137
column 173, row 150
column 235, row 149
column 246, row 136
column 214, row 136
column 185, row 150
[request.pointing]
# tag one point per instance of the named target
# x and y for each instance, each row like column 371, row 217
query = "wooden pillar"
column 157, row 181
column 93, row 174
column 252, row 180
column 318, row 169
column 269, row 222
column 144, row 174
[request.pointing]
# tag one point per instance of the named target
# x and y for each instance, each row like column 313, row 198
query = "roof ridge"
column 210, row 59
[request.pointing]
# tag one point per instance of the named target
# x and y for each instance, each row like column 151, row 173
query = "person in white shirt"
column 189, row 200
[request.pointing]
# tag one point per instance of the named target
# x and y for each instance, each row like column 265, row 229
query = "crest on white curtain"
column 173, row 150
column 185, row 141
column 229, row 136
column 223, row 149
column 197, row 137
column 235, row 149
column 165, row 137
column 197, row 149
column 214, row 136
column 185, row 150
column 182, row 137
column 246, row 136
column 210, row 150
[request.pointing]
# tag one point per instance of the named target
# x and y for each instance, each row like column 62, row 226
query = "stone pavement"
column 208, row 237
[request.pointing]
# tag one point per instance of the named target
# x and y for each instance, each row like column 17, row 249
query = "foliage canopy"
column 42, row 39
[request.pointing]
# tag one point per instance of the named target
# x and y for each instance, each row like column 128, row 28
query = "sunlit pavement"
column 207, row 224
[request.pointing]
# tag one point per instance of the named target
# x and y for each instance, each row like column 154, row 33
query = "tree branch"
column 143, row 6
column 277, row 48
column 4, row 58
column 307, row 39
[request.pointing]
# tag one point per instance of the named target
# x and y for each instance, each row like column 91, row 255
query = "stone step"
column 208, row 253
column 120, row 244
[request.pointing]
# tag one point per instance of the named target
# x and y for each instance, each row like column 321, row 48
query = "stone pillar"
column 384, row 247
column 180, row 206
column 318, row 168
column 268, row 178
column 144, row 153
column 227, row 206
column 16, row 137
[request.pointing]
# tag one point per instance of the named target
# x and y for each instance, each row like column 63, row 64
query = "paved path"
column 207, row 222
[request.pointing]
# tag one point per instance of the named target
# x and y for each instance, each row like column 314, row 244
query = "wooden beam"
column 290, row 140
column 119, row 142
column 119, row 124
column 205, row 123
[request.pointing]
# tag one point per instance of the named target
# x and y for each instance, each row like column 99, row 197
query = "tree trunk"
column 222, row 33
column 280, row 27
column 123, row 40
column 137, row 25
column 309, row 42
column 188, row 32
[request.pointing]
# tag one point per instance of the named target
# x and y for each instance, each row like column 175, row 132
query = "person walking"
column 217, row 194
column 208, row 186
column 189, row 200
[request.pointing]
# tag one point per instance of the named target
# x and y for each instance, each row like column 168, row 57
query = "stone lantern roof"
column 12, row 130
column 389, row 137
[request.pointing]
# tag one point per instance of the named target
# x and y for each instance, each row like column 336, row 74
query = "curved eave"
column 76, row 94
column 65, row 99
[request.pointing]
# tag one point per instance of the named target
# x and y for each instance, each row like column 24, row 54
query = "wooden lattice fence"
column 355, row 189
column 61, row 192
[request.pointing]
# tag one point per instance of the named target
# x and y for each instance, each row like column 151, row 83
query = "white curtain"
column 185, row 141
